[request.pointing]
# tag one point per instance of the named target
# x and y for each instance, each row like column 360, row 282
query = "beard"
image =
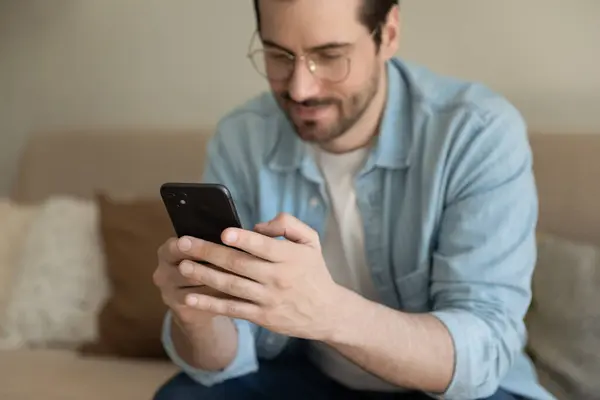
column 349, row 111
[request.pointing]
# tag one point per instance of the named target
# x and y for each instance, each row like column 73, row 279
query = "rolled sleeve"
column 245, row 361
column 467, row 331
column 485, row 256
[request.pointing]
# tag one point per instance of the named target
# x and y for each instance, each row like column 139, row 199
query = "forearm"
column 211, row 346
column 408, row 350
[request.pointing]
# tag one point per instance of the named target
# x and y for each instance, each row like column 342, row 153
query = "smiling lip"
column 309, row 112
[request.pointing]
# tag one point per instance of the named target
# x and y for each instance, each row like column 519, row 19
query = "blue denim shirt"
column 449, row 208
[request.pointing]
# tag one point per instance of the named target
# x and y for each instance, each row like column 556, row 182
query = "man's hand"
column 168, row 278
column 285, row 286
column 281, row 285
column 202, row 339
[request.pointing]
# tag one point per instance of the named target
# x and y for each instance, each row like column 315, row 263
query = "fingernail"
column 231, row 236
column 191, row 300
column 185, row 244
column 187, row 268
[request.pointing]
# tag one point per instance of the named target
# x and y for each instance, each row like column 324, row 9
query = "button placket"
column 371, row 206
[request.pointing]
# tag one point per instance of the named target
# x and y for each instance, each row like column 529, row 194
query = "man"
column 390, row 217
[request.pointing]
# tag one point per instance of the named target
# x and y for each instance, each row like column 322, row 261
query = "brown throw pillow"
column 130, row 322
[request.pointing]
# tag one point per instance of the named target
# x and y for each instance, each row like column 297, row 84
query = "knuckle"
column 162, row 250
column 208, row 306
column 285, row 218
column 167, row 251
column 233, row 286
column 211, row 278
column 160, row 276
column 231, row 308
column 239, row 287
column 157, row 277
column 199, row 275
column 215, row 307
column 199, row 250
column 237, row 263
column 266, row 245
column 256, row 241
column 281, row 282
column 170, row 245
column 203, row 274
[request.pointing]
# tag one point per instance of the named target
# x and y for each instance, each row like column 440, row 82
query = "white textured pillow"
column 60, row 283
column 15, row 220
column 564, row 322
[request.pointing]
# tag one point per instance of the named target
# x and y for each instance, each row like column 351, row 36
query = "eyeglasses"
column 279, row 65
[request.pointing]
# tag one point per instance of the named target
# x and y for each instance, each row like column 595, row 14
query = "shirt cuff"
column 245, row 361
column 465, row 330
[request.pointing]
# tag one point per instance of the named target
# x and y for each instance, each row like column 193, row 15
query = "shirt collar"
column 392, row 148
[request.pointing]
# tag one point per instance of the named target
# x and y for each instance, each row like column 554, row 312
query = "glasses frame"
column 305, row 58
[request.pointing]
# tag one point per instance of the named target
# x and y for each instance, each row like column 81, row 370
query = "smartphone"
column 200, row 210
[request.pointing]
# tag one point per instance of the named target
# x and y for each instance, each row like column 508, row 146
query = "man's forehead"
column 309, row 23
column 319, row 6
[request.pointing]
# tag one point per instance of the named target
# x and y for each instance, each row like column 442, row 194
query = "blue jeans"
column 284, row 378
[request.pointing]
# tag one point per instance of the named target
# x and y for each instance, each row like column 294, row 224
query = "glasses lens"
column 272, row 65
column 258, row 61
column 334, row 69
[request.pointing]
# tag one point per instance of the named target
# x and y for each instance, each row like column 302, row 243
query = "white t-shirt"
column 344, row 253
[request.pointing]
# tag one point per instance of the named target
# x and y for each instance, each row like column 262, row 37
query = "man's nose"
column 303, row 84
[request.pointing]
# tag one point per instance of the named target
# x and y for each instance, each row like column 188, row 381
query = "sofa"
column 70, row 180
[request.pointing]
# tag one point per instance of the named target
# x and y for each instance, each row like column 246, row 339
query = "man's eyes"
column 330, row 56
column 279, row 56
column 321, row 56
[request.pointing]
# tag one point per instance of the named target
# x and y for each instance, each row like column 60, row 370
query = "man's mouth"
column 307, row 110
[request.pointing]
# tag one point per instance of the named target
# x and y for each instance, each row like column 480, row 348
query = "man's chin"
column 313, row 133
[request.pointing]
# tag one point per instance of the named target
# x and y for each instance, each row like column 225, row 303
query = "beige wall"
column 67, row 63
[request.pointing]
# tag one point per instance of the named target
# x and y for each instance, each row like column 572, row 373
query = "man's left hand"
column 281, row 285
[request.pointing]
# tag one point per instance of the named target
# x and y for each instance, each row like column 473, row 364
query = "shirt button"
column 314, row 202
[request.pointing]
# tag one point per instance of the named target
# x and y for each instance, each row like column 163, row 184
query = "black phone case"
column 200, row 210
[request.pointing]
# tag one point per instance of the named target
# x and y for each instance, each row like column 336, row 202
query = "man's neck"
column 366, row 127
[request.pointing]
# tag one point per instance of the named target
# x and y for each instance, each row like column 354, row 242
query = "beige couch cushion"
column 567, row 169
column 564, row 324
column 132, row 162
column 63, row 375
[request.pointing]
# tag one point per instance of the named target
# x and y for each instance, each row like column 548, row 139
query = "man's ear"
column 391, row 33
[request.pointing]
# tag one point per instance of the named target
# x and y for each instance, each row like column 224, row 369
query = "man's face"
column 346, row 66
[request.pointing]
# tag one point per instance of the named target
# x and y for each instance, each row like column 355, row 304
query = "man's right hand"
column 203, row 339
column 174, row 287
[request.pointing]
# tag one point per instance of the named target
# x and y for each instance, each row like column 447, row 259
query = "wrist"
column 344, row 307
column 189, row 326
column 211, row 346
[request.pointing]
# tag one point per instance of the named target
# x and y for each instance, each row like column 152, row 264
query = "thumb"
column 291, row 228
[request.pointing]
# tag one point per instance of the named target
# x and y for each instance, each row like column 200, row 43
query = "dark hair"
column 373, row 15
